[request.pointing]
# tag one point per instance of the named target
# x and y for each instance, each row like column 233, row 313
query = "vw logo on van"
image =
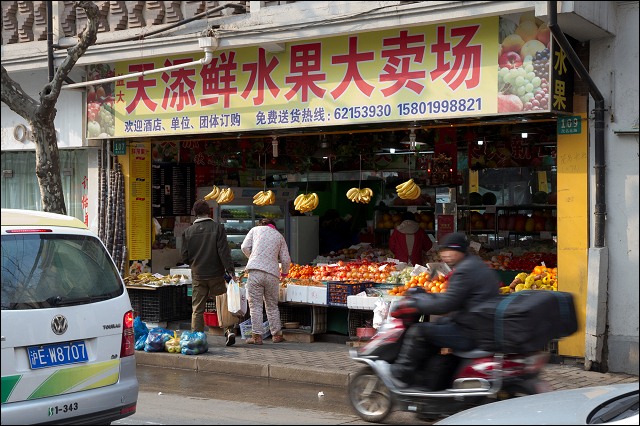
column 59, row 324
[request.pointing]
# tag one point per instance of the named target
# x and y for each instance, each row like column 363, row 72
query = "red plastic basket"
column 211, row 319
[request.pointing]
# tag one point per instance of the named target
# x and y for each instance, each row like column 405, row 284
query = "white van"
column 67, row 325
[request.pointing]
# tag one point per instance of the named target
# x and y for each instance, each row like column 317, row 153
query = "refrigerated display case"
column 241, row 215
column 304, row 243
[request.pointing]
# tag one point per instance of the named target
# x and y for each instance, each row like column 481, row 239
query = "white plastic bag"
column 236, row 299
column 380, row 312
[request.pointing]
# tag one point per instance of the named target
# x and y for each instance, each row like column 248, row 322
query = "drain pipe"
column 206, row 43
column 598, row 261
column 599, row 163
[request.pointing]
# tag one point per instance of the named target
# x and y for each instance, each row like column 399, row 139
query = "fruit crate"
column 153, row 305
column 358, row 318
column 312, row 319
column 337, row 291
column 181, row 303
column 245, row 329
column 210, row 305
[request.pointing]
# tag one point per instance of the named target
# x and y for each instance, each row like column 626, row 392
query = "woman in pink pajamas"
column 267, row 251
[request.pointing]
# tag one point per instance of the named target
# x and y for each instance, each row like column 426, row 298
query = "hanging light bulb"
column 274, row 145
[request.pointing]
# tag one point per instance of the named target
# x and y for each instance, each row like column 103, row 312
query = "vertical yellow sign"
column 573, row 230
column 137, row 177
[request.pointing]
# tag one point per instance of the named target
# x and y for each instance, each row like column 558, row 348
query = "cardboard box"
column 317, row 295
column 362, row 302
column 297, row 293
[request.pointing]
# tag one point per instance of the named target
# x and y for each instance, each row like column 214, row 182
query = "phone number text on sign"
column 409, row 108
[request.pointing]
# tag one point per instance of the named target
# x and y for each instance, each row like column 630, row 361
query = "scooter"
column 455, row 381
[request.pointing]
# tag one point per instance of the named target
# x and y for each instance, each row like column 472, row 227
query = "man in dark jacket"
column 472, row 282
column 206, row 251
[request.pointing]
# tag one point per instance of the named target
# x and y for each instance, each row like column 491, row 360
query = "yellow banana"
column 351, row 193
column 213, row 194
column 368, row 192
column 226, row 196
column 414, row 193
column 298, row 200
column 404, row 186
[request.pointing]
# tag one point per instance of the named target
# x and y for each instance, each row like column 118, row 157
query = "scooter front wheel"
column 369, row 396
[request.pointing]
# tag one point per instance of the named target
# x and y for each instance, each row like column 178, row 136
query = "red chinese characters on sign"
column 399, row 61
column 140, row 85
column 84, row 200
column 218, row 78
column 178, row 93
column 466, row 62
column 260, row 76
column 389, row 64
column 353, row 74
column 306, row 61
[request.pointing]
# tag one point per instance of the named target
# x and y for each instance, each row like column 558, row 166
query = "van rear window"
column 49, row 270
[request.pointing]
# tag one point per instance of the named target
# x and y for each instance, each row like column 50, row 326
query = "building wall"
column 68, row 122
column 619, row 86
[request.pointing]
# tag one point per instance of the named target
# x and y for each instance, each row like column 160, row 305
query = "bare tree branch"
column 88, row 37
column 40, row 116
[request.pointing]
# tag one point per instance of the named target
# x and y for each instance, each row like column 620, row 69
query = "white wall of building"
column 69, row 118
column 619, row 85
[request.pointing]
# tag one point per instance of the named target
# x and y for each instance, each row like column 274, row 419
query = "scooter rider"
column 472, row 282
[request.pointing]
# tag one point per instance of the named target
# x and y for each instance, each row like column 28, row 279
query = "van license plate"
column 57, row 354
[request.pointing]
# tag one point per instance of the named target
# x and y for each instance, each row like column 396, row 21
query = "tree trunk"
column 48, row 166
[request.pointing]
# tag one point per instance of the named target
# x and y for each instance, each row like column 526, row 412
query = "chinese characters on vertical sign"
column 401, row 74
column 85, row 200
column 139, row 212
column 562, row 81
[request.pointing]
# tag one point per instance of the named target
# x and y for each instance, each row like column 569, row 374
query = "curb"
column 212, row 364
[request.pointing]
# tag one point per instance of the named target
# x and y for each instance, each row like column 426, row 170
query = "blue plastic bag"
column 156, row 339
column 139, row 328
column 140, row 342
column 193, row 343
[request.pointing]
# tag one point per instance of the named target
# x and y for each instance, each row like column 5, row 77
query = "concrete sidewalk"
column 326, row 363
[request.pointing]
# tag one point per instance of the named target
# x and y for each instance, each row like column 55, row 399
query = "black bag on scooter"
column 525, row 321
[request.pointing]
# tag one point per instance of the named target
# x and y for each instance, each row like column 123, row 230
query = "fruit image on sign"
column 523, row 65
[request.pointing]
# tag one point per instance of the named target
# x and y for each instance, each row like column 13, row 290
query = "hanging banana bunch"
column 264, row 198
column 408, row 190
column 306, row 202
column 358, row 195
column 226, row 196
column 214, row 194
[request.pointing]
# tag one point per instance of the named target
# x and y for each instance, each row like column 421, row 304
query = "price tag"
column 412, row 209
column 490, row 209
column 476, row 246
column 545, row 235
column 504, row 234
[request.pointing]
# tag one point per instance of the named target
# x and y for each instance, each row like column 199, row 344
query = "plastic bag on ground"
column 173, row 345
column 156, row 339
column 193, row 343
